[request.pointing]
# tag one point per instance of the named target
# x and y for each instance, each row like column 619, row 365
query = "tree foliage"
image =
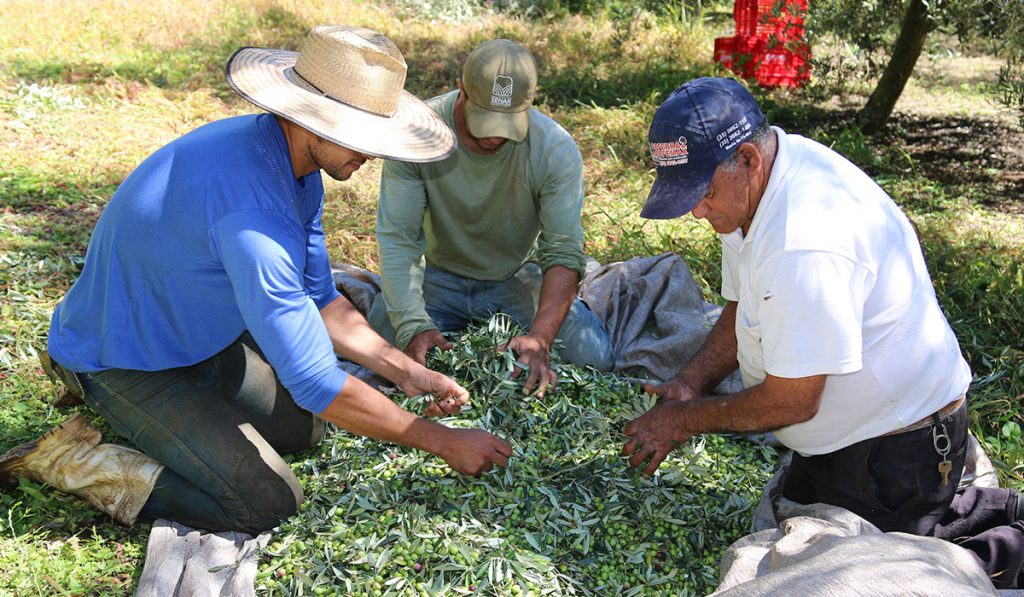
column 880, row 41
column 1011, row 76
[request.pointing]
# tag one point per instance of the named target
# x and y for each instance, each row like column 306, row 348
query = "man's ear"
column 750, row 155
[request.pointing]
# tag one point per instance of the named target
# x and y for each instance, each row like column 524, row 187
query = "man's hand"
column 424, row 341
column 671, row 390
column 535, row 354
column 654, row 434
column 474, row 451
column 449, row 396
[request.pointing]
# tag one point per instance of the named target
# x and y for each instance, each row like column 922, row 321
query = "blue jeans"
column 454, row 302
column 218, row 426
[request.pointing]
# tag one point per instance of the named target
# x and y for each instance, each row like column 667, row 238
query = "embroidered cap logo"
column 670, row 154
column 501, row 91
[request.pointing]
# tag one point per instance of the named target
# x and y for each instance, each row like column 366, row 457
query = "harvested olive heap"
column 567, row 516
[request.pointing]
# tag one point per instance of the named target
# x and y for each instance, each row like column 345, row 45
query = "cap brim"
column 489, row 123
column 414, row 133
column 674, row 197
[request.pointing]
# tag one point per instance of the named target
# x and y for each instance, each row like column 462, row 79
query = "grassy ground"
column 88, row 89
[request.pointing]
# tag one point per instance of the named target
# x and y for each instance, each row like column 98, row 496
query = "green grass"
column 89, row 88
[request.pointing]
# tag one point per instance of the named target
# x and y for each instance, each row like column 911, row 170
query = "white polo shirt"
column 830, row 279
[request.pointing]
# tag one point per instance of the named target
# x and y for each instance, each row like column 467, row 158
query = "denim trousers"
column 454, row 302
column 219, row 427
column 893, row 482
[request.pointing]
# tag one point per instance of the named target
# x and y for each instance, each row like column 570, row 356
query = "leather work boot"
column 70, row 457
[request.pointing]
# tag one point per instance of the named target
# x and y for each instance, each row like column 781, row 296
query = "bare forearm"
column 773, row 404
column 355, row 340
column 362, row 410
column 557, row 293
column 768, row 406
column 716, row 358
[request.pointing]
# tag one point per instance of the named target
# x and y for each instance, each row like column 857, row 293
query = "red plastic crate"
column 768, row 46
column 739, row 54
column 724, row 48
column 783, row 19
column 770, row 63
column 783, row 67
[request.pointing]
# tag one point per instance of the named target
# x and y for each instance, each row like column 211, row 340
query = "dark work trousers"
column 219, row 427
column 893, row 481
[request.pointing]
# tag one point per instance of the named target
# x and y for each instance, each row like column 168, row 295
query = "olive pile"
column 567, row 516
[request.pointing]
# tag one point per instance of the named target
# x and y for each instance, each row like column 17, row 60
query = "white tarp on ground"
column 830, row 552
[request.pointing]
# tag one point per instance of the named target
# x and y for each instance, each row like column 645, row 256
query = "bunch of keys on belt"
column 942, row 447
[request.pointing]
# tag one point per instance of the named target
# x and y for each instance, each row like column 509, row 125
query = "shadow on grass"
column 43, row 215
column 978, row 157
column 435, row 64
column 569, row 87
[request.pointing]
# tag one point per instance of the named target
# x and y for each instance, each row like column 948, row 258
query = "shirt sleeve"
column 811, row 315
column 561, row 210
column 400, row 236
column 317, row 276
column 263, row 254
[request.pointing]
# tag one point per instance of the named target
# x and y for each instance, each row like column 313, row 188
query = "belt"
column 932, row 418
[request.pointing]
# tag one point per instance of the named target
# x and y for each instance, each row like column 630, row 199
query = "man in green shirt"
column 496, row 227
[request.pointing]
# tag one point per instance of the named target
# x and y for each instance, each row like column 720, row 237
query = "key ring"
column 940, row 441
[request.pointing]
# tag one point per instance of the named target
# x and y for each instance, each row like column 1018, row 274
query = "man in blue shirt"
column 205, row 325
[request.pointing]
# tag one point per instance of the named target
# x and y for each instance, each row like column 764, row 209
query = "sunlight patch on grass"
column 951, row 84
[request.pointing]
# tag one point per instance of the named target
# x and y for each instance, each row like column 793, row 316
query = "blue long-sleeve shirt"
column 210, row 236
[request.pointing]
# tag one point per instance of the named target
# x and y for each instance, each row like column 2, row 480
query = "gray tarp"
column 654, row 312
column 655, row 315
column 183, row 562
column 825, row 550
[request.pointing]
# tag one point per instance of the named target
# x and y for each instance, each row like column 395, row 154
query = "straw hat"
column 345, row 85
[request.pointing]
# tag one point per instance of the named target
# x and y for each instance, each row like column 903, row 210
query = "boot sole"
column 70, row 431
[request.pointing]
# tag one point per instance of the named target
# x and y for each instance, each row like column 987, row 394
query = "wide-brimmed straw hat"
column 345, row 85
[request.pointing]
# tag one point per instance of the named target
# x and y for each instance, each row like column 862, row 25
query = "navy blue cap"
column 701, row 124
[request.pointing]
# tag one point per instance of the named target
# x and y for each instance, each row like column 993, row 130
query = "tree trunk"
column 917, row 23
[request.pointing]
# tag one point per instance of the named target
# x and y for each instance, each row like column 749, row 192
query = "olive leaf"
column 566, row 516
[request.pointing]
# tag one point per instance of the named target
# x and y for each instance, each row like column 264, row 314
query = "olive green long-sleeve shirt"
column 478, row 216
